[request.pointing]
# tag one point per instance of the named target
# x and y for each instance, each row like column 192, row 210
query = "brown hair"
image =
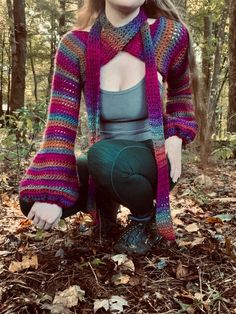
column 87, row 14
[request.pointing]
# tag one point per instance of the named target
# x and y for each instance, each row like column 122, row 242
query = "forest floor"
column 62, row 271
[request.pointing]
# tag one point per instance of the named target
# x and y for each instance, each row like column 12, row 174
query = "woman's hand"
column 173, row 145
column 45, row 215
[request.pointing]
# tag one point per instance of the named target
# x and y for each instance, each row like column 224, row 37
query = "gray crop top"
column 124, row 114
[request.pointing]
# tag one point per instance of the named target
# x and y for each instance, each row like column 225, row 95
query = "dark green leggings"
column 124, row 172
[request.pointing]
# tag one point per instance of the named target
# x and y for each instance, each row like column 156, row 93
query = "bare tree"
column 62, row 18
column 18, row 50
column 232, row 68
column 3, row 42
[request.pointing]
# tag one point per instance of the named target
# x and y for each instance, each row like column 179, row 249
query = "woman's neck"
column 118, row 18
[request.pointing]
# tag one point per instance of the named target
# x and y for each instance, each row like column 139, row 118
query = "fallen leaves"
column 120, row 279
column 213, row 220
column 181, row 271
column 124, row 262
column 192, row 227
column 115, row 304
column 85, row 223
column 191, row 244
column 69, row 297
column 28, row 261
column 166, row 280
column 204, row 181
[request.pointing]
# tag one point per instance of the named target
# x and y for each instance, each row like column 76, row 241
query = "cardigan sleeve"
column 52, row 175
column 179, row 118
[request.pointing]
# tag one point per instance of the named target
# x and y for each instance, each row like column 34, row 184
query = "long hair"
column 87, row 14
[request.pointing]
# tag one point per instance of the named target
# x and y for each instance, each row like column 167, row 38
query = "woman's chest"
column 122, row 72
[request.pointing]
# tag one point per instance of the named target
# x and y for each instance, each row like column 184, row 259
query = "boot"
column 108, row 210
column 109, row 220
column 139, row 236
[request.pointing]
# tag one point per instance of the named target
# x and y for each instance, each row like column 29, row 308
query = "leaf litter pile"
column 64, row 271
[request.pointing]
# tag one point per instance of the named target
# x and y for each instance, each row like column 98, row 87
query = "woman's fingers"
column 172, row 170
column 50, row 225
column 176, row 175
column 36, row 220
column 175, row 169
column 31, row 214
column 41, row 224
column 56, row 222
column 47, row 226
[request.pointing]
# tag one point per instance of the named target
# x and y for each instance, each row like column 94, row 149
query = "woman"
column 120, row 55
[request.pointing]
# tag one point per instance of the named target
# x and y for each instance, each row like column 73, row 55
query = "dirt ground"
column 64, row 271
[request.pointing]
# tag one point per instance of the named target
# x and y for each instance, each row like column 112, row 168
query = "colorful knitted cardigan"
column 163, row 46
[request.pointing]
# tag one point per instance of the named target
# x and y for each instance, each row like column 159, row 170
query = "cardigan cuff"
column 184, row 129
column 49, row 179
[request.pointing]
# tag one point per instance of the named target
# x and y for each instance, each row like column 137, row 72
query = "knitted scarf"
column 118, row 38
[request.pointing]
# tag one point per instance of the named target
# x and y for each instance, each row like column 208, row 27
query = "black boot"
column 109, row 221
column 139, row 236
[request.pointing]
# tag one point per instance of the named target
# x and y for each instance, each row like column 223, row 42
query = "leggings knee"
column 99, row 161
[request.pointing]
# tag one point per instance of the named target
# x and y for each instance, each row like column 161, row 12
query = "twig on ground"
column 95, row 276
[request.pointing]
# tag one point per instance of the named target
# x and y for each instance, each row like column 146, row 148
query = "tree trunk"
column 215, row 86
column 3, row 38
column 62, row 18
column 232, row 69
column 52, row 51
column 18, row 46
column 206, row 57
column 33, row 70
column 204, row 136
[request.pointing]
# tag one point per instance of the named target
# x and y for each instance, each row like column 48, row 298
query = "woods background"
column 29, row 34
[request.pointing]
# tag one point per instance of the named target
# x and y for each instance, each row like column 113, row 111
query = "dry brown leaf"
column 192, row 227
column 128, row 265
column 70, row 296
column 134, row 281
column 26, row 223
column 123, row 262
column 203, row 181
column 196, row 210
column 85, row 222
column 197, row 241
column 84, row 218
column 178, row 222
column 181, row 270
column 120, row 279
column 182, row 243
column 176, row 212
column 27, row 262
column 213, row 220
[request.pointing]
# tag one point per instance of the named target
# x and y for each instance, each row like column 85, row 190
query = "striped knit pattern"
column 51, row 176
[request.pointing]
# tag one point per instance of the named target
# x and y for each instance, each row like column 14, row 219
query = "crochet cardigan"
column 52, row 175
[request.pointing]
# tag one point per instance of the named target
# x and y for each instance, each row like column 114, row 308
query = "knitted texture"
column 163, row 46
